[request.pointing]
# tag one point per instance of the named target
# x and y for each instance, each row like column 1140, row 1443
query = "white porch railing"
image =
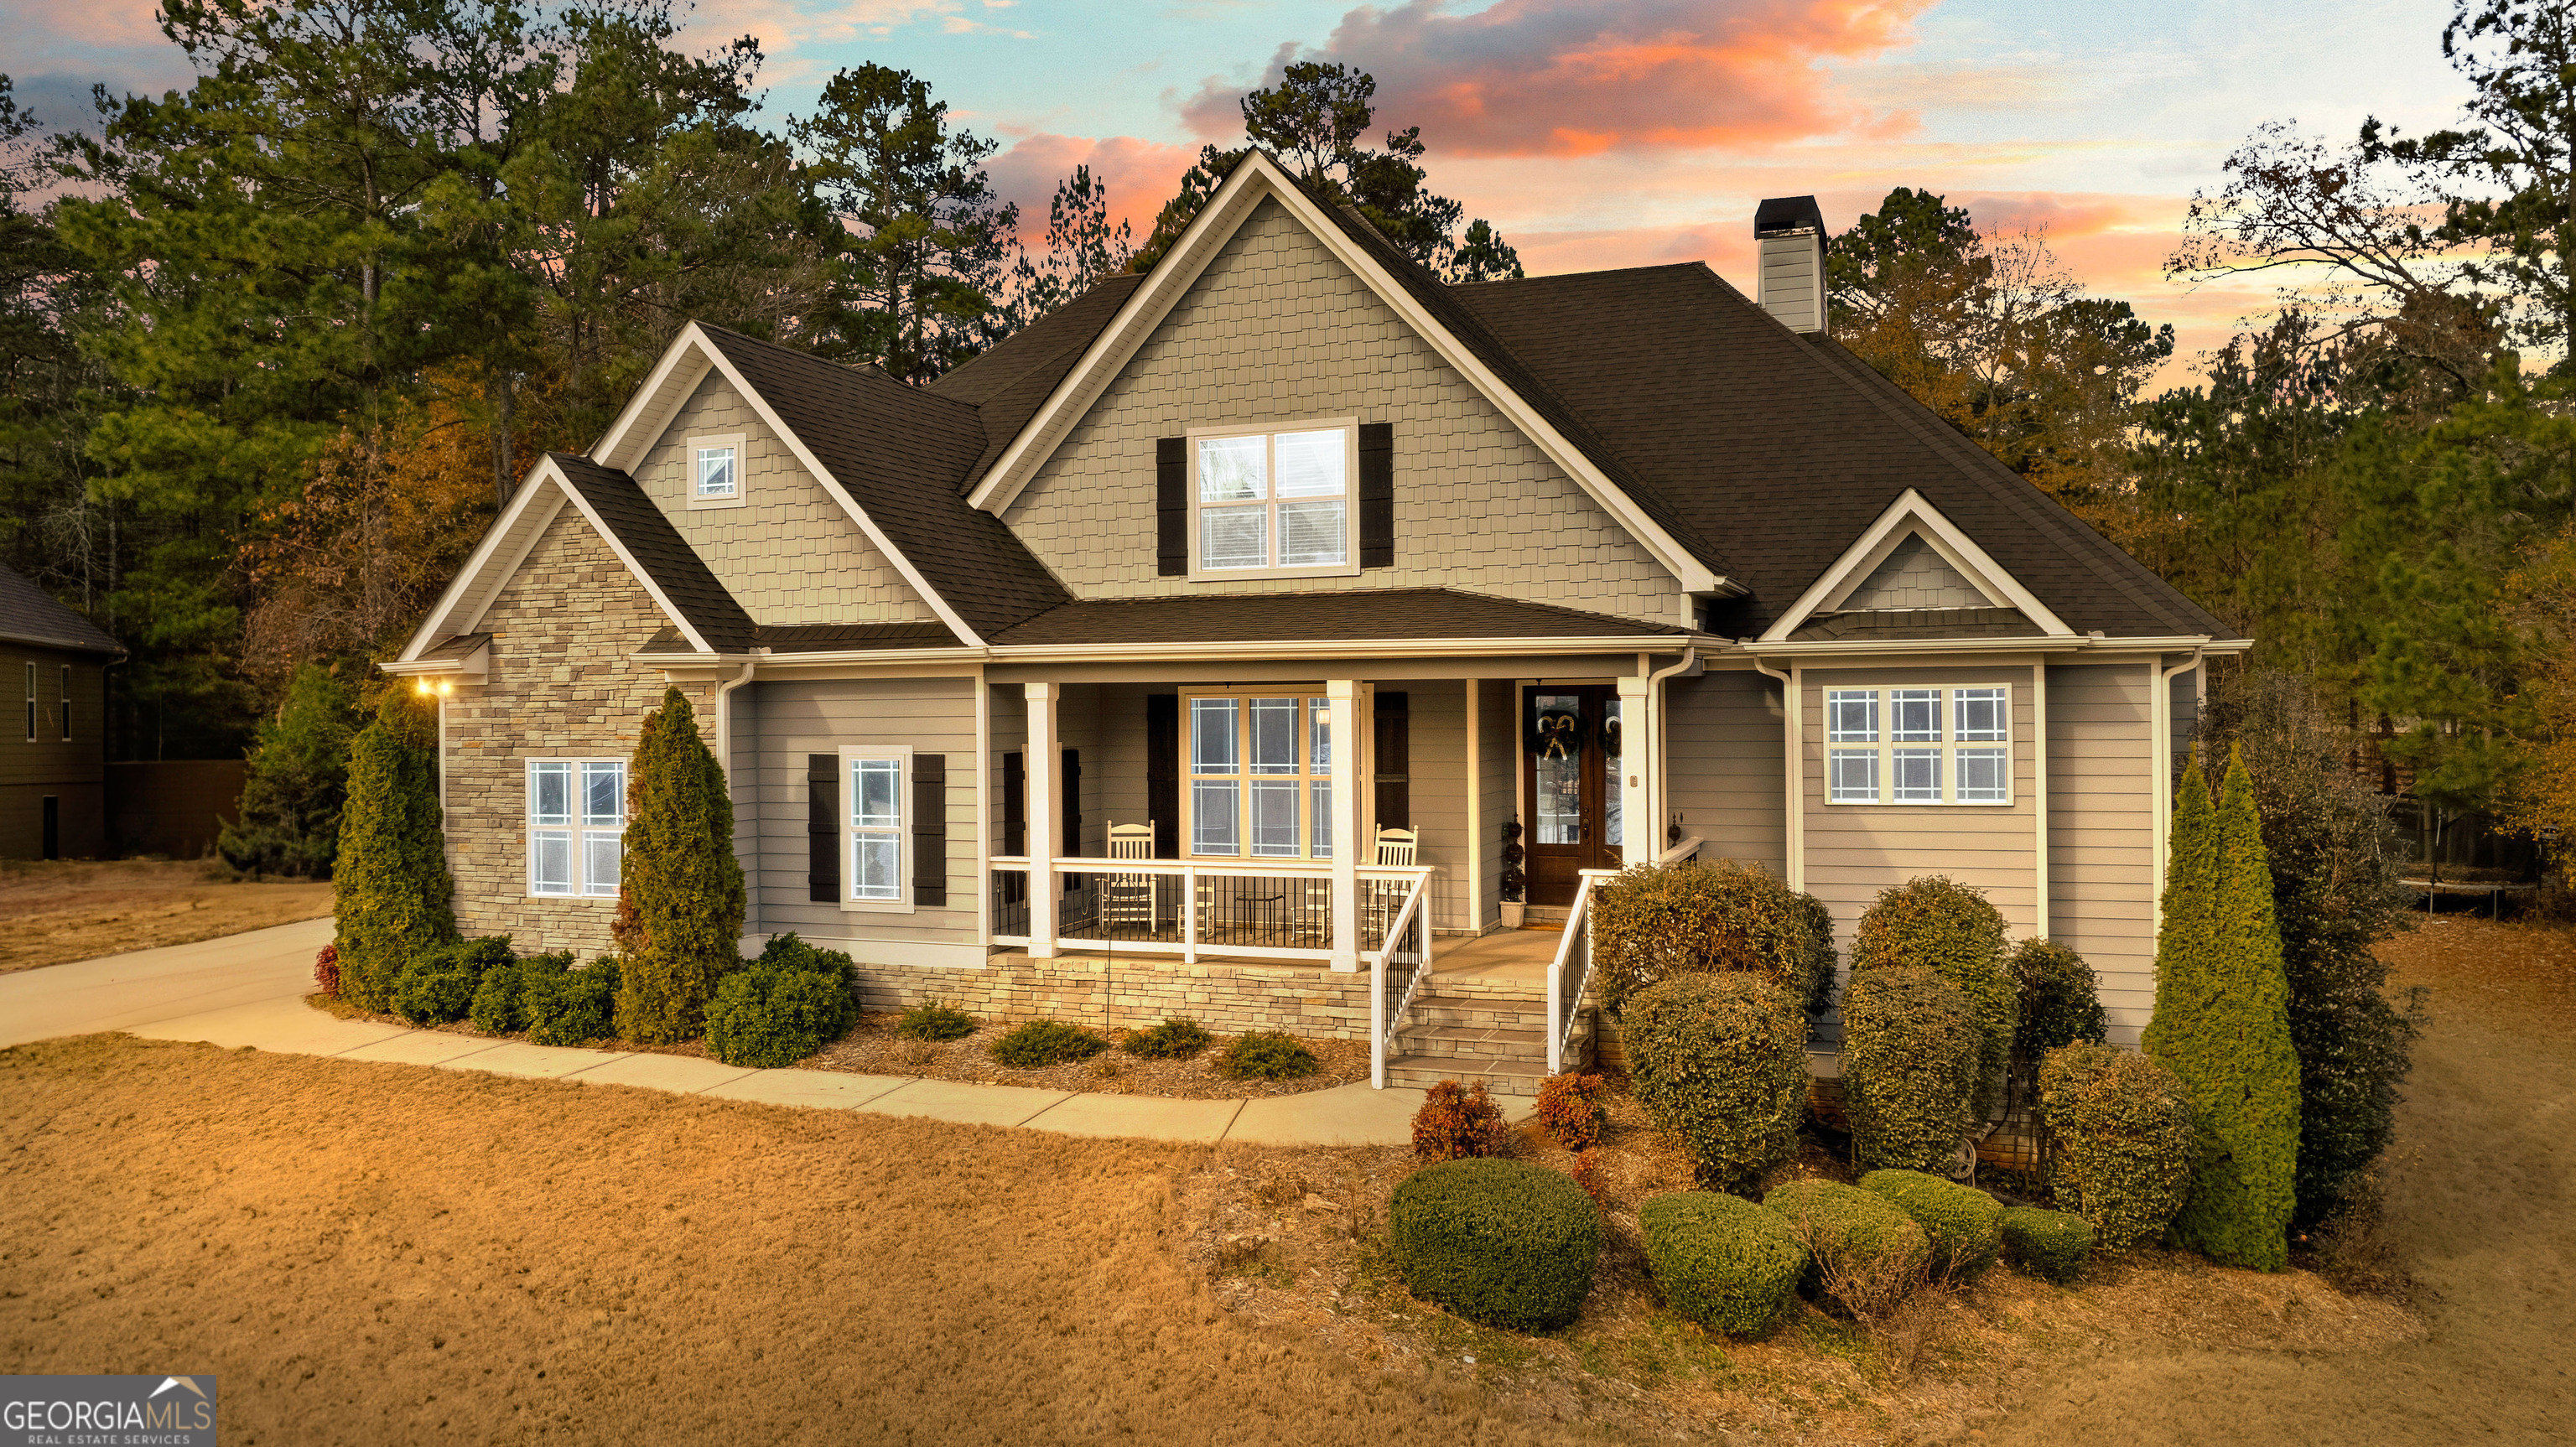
column 1271, row 909
column 1398, row 968
column 1571, row 971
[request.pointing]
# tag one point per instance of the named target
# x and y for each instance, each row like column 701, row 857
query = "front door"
column 1570, row 748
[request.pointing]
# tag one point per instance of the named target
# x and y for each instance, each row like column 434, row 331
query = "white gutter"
column 2160, row 766
column 1197, row 652
column 2028, row 643
column 1793, row 836
column 1657, row 786
column 724, row 717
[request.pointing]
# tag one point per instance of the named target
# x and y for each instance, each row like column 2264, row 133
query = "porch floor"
column 1514, row 957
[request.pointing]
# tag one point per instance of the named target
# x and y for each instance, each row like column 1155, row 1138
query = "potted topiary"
column 1515, row 883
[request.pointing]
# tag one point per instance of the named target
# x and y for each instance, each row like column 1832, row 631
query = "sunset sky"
column 1612, row 133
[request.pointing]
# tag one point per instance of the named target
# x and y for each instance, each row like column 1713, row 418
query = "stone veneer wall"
column 1227, row 998
column 561, row 685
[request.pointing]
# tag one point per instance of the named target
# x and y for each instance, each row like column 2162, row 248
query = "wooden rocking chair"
column 1131, row 903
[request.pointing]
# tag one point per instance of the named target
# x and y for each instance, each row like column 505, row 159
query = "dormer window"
column 1274, row 502
column 715, row 471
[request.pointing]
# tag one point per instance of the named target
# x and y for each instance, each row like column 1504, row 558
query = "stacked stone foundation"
column 1130, row 994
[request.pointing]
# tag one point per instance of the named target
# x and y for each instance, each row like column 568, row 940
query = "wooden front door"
column 1570, row 758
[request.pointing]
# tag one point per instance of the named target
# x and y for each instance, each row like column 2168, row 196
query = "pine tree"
column 2222, row 1026
column 394, row 892
column 681, row 881
column 298, row 781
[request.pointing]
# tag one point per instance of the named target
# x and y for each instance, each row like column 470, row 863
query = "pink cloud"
column 1140, row 176
column 1570, row 78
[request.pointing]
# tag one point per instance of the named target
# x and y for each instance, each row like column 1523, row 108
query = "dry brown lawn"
column 57, row 911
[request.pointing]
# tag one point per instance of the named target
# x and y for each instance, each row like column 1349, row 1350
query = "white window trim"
column 1305, row 776
column 528, row 825
column 845, row 797
column 741, row 445
column 1349, row 567
column 1884, row 747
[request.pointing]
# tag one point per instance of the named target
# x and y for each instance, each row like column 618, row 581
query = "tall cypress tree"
column 2222, row 1026
column 681, row 888
column 395, row 897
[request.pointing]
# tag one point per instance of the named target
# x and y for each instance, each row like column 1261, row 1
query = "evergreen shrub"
column 393, row 896
column 1911, row 1051
column 297, row 783
column 1938, row 924
column 2050, row 1245
column 1456, row 1121
column 1175, row 1039
column 934, row 1020
column 1500, row 1242
column 1041, row 1043
column 1720, row 1063
column 1849, row 1233
column 567, row 1006
column 1569, row 1106
column 783, row 1006
column 2120, row 1134
column 440, row 985
column 680, row 880
column 1265, row 1055
column 1819, row 922
column 1723, row 1261
column 1960, row 1221
column 2060, row 1001
column 1660, row 922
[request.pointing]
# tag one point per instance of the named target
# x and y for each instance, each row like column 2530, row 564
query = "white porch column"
column 1350, row 723
column 1045, row 817
column 1641, row 834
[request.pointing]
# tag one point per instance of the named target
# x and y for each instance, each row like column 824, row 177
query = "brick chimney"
column 1789, row 233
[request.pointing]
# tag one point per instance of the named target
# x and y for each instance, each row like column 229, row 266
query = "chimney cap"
column 1788, row 215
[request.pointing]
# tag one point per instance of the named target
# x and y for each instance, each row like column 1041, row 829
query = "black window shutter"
column 1015, row 804
column 1393, row 762
column 1172, row 506
column 930, row 831
column 823, row 827
column 1163, row 771
column 1377, row 494
column 1069, row 786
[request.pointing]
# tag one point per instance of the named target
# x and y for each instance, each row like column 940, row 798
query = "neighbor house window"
column 576, row 826
column 31, row 703
column 715, row 471
column 1276, row 502
column 1261, row 783
column 1919, row 745
column 873, row 835
column 67, row 702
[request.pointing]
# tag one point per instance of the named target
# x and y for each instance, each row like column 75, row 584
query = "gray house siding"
column 1277, row 330
column 2101, row 834
column 1724, row 764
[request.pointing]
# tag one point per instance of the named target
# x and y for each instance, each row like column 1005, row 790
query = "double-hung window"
column 1276, row 503
column 67, row 702
column 1261, row 783
column 31, row 703
column 576, row 826
column 715, row 471
column 1919, row 745
column 876, row 809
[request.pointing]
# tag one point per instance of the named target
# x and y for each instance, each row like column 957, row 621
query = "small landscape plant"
column 2119, row 1129
column 1570, row 1107
column 1457, row 1121
column 1863, row 1252
column 1910, row 1058
column 2051, row 1245
column 934, row 1020
column 1175, row 1039
column 500, row 1000
column 567, row 1006
column 1658, row 922
column 1266, row 1055
column 1504, row 1243
column 1720, row 1063
column 326, row 971
column 1960, row 1221
column 1722, row 1261
column 1587, row 1174
column 1938, row 924
column 440, row 985
column 776, row 1010
column 1041, row 1043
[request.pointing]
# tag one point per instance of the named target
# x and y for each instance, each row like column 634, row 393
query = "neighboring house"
column 1277, row 547
column 53, row 739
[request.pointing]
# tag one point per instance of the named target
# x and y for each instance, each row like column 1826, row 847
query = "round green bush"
column 1175, row 1039
column 1041, row 1043
column 2061, row 1002
column 1657, row 922
column 783, row 1007
column 1857, row 1232
column 495, row 1010
column 2121, row 1136
column 569, row 1006
column 1910, row 1052
column 1959, row 1220
column 2051, row 1245
column 932, row 1020
column 1938, row 924
column 1266, row 1055
column 434, row 990
column 1720, row 1062
column 1722, row 1261
column 1500, row 1242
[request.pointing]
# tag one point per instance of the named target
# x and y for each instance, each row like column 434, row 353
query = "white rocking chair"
column 1131, row 900
column 1395, row 847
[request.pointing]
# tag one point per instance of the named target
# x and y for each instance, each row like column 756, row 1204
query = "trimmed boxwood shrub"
column 1720, row 1062
column 440, row 985
column 934, row 1020
column 1658, row 922
column 1959, row 1220
column 1820, row 951
column 2061, row 1002
column 1570, row 1107
column 1500, row 1242
column 1457, row 1121
column 783, row 1006
column 1723, row 1261
column 1175, row 1039
column 1041, row 1043
column 498, row 1007
column 1938, row 924
column 1266, row 1055
column 2051, row 1245
column 1845, row 1226
column 1910, row 1053
column 2120, row 1131
column 567, row 1006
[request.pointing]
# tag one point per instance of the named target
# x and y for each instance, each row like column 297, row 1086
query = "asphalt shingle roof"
column 29, row 614
column 658, row 548
column 1357, row 615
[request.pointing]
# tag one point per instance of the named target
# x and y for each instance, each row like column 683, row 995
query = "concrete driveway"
column 120, row 992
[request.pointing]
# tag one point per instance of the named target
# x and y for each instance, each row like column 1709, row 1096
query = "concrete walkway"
column 248, row 990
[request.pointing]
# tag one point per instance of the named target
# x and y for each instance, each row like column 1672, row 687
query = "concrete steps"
column 1471, row 1030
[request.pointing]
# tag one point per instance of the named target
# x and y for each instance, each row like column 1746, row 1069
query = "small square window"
column 716, row 474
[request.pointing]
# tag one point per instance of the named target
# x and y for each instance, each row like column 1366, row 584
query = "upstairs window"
column 1276, row 503
column 1919, row 745
column 715, row 471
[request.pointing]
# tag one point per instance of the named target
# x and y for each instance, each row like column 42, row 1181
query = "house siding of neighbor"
column 53, row 726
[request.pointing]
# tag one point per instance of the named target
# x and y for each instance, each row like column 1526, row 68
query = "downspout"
column 1792, row 841
column 724, row 717
column 1658, row 801
column 2160, row 712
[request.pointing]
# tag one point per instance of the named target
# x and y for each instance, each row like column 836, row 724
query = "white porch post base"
column 1043, row 815
column 1637, row 841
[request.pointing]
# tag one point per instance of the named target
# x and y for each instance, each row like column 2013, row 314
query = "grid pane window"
column 1914, row 715
column 1917, row 776
column 1260, row 771
column 1982, row 779
column 876, row 830
column 576, row 826
column 1273, row 500
column 717, row 474
column 31, row 703
column 1853, row 775
column 1982, row 718
column 1939, row 746
column 67, row 700
column 1851, row 715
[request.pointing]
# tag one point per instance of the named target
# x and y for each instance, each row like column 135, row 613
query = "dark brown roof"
column 656, row 547
column 901, row 453
column 29, row 614
column 462, row 645
column 1009, row 383
column 1906, row 623
column 824, row 638
column 1359, row 615
column 1790, row 447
